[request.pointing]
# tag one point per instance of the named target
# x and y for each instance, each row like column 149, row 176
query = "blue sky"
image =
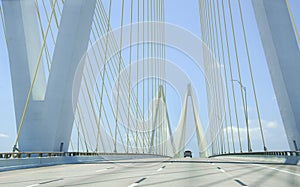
column 184, row 14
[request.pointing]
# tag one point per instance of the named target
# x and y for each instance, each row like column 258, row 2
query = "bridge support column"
column 283, row 57
column 72, row 42
column 49, row 119
column 21, row 26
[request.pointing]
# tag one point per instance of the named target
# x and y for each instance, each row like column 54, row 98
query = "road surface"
column 156, row 172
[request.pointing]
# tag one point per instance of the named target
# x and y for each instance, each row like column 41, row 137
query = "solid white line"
column 280, row 170
column 133, row 184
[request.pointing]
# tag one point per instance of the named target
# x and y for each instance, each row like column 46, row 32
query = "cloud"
column 270, row 124
column 274, row 135
column 2, row 135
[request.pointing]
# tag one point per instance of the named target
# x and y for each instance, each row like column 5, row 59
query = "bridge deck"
column 157, row 172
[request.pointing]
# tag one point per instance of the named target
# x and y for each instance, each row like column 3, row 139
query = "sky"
column 186, row 15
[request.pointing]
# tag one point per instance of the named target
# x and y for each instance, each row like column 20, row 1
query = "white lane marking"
column 240, row 183
column 236, row 180
column 45, row 182
column 133, row 184
column 161, row 168
column 137, row 182
column 222, row 170
column 101, row 170
column 33, row 185
column 280, row 170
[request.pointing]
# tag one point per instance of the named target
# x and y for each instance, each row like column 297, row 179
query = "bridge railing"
column 16, row 155
column 266, row 153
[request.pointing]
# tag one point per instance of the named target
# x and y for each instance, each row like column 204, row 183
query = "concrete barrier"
column 23, row 163
column 276, row 159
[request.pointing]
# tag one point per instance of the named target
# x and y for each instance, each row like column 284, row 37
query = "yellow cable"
column 114, row 67
column 143, row 85
column 213, row 78
column 231, row 75
column 116, row 47
column 105, row 58
column 55, row 17
column 92, row 106
column 237, row 62
column 251, row 75
column 218, row 30
column 137, row 76
column 123, row 66
column 43, row 35
column 293, row 20
column 129, row 78
column 83, row 132
column 226, row 80
column 119, row 71
column 46, row 14
column 110, row 84
column 218, row 79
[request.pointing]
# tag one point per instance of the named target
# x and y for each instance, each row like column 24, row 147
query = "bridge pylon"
column 160, row 104
column 283, row 56
column 43, row 109
column 182, row 126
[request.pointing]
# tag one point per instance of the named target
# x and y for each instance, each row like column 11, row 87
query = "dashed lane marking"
column 45, row 182
column 240, row 182
column 137, row 182
column 161, row 168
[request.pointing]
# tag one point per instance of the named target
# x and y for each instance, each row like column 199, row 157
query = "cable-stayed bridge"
column 99, row 81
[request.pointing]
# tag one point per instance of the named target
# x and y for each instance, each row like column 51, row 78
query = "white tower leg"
column 283, row 57
column 49, row 118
